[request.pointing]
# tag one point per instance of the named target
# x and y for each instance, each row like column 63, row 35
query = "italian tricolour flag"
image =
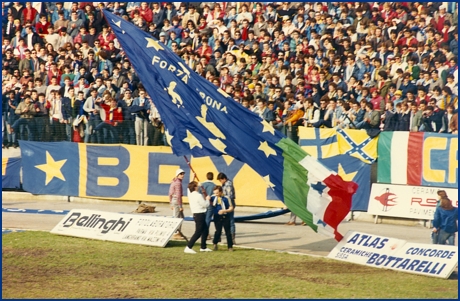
column 400, row 158
column 316, row 194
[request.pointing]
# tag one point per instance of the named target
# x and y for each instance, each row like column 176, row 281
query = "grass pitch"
column 43, row 265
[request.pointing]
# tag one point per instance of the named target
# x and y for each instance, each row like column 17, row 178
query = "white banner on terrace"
column 415, row 202
column 139, row 229
column 395, row 254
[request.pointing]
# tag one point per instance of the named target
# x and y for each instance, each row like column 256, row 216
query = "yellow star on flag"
column 267, row 127
column 154, row 44
column 344, row 175
column 267, row 180
column 168, row 137
column 266, row 149
column 192, row 140
column 52, row 168
column 118, row 24
column 218, row 144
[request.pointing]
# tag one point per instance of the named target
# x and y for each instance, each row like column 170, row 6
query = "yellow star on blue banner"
column 52, row 168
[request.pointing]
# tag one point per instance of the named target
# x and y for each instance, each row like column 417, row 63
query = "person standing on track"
column 445, row 222
column 222, row 209
column 198, row 206
column 208, row 187
column 229, row 192
column 175, row 199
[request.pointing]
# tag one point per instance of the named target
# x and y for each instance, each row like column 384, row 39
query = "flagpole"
column 195, row 176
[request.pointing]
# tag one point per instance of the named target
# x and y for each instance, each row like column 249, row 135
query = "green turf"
column 43, row 265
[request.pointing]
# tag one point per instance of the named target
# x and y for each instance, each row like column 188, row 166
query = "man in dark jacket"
column 158, row 15
column 390, row 118
column 407, row 86
column 66, row 108
column 90, row 62
column 431, row 121
column 9, row 62
column 32, row 38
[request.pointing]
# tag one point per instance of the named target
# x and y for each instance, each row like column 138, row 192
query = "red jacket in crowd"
column 112, row 115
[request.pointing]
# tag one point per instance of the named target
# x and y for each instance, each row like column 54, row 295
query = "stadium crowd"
column 378, row 66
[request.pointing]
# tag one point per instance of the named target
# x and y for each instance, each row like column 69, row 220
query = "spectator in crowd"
column 331, row 115
column 404, row 118
column 42, row 121
column 447, row 119
column 389, row 118
column 142, row 107
column 113, row 120
column 371, row 117
column 93, row 116
column 448, row 98
column 431, row 120
column 67, row 105
column 312, row 113
column 415, row 118
column 75, row 24
column 26, row 111
column 57, row 122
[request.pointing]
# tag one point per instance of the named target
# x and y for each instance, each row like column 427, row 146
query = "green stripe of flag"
column 295, row 188
column 384, row 157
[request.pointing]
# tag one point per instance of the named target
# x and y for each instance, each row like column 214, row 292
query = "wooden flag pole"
column 203, row 191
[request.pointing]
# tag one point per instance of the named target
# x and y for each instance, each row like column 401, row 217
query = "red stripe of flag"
column 414, row 158
column 341, row 193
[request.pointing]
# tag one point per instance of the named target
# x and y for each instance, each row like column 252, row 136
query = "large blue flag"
column 202, row 120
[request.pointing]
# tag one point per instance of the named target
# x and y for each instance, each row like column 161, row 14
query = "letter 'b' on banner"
column 106, row 171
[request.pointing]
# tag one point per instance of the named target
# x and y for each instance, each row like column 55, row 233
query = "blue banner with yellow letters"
column 439, row 160
column 11, row 172
column 128, row 172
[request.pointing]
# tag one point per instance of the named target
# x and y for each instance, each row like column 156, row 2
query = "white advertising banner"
column 359, row 247
column 395, row 254
column 415, row 202
column 128, row 228
column 423, row 259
